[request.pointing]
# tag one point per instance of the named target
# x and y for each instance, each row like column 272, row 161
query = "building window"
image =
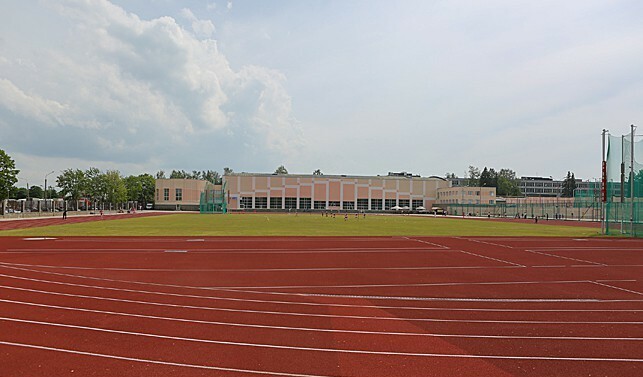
column 417, row 203
column 320, row 204
column 246, row 202
column 157, row 195
column 362, row 204
column 291, row 203
column 178, row 194
column 491, row 202
column 376, row 204
column 333, row 205
column 166, row 194
column 405, row 203
column 261, row 202
column 349, row 205
column 304, row 203
column 388, row 204
column 275, row 203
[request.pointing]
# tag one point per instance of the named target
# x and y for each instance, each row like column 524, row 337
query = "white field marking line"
column 214, row 298
column 229, row 269
column 462, row 356
column 166, row 251
column 416, row 284
column 428, row 243
column 217, row 239
column 485, row 242
column 158, row 362
column 311, row 329
column 569, row 258
column 274, row 293
column 300, row 314
column 493, row 259
column 242, row 344
column 598, row 282
column 555, row 266
column 571, row 248
column 236, row 251
column 9, row 265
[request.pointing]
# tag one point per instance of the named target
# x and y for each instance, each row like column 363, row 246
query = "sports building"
column 256, row 191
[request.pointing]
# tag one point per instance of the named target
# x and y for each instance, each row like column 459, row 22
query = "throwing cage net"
column 624, row 186
column 213, row 199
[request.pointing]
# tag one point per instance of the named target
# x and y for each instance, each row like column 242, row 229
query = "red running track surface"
column 326, row 306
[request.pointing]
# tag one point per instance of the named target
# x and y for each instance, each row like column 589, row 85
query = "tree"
column 95, row 188
column 474, row 176
column 281, row 170
column 19, row 193
column 160, row 174
column 149, row 185
column 36, row 192
column 485, row 178
column 115, row 187
column 318, row 172
column 72, row 183
column 507, row 184
column 227, row 171
column 8, row 174
column 450, row 176
column 212, row 177
column 569, row 185
column 140, row 188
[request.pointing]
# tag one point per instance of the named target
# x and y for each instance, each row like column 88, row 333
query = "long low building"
column 250, row 191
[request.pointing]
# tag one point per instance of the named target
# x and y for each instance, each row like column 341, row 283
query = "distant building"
column 541, row 186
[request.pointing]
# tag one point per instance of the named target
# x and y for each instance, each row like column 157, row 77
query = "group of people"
column 332, row 214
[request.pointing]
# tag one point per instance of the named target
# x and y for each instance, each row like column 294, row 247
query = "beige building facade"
column 467, row 195
column 178, row 194
column 250, row 191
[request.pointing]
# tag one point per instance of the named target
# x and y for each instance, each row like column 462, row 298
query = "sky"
column 347, row 87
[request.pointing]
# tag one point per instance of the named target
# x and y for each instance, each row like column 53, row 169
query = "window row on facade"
column 361, row 204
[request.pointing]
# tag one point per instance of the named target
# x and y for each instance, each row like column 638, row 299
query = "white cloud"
column 120, row 89
column 201, row 28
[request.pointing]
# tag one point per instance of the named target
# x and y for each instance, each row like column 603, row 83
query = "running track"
column 331, row 306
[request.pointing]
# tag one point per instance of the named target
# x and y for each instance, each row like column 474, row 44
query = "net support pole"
column 632, row 181
column 603, row 183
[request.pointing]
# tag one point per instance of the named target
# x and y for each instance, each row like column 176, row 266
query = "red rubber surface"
column 327, row 306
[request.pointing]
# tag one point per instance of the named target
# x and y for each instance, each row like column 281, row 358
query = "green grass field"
column 302, row 225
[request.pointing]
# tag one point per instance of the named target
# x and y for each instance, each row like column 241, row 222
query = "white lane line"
column 301, row 314
column 463, row 356
column 316, row 294
column 568, row 258
column 292, row 303
column 428, row 243
column 83, row 268
column 221, row 342
column 409, row 268
column 490, row 258
column 485, row 242
column 238, row 251
column 313, row 329
column 412, row 284
column 158, row 362
column 265, row 293
column 7, row 265
column 598, row 282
